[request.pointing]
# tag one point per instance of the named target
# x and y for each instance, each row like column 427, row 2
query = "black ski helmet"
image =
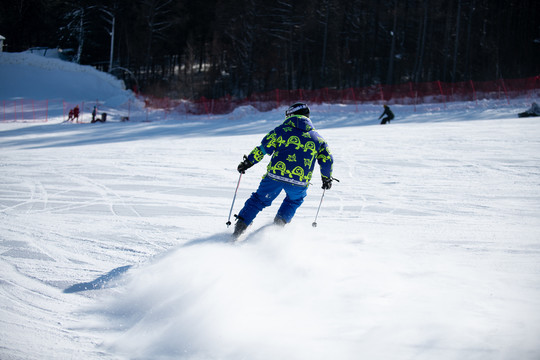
column 297, row 109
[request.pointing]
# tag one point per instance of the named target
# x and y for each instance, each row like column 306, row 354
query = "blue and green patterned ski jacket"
column 294, row 145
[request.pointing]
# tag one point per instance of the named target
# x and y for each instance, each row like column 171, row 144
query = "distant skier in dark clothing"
column 94, row 114
column 534, row 110
column 389, row 115
column 294, row 147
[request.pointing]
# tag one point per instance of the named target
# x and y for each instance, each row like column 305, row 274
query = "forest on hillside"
column 214, row 48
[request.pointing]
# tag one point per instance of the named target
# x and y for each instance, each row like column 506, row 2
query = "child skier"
column 293, row 145
column 76, row 113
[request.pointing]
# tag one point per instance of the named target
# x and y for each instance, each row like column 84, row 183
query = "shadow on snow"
column 99, row 283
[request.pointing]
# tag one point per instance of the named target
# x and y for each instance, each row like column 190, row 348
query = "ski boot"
column 239, row 227
column 279, row 221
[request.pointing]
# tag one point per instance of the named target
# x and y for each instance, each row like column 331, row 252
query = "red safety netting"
column 28, row 110
column 406, row 94
column 24, row 110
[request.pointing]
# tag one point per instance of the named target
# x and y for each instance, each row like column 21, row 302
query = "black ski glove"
column 244, row 165
column 326, row 183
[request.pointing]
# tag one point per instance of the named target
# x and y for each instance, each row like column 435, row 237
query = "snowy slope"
column 51, row 78
column 113, row 243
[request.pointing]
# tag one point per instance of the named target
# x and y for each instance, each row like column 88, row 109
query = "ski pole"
column 234, row 198
column 324, row 190
column 315, row 222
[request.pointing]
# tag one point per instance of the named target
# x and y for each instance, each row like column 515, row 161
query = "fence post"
column 531, row 91
column 474, row 91
column 505, row 92
column 413, row 95
column 354, row 98
column 442, row 93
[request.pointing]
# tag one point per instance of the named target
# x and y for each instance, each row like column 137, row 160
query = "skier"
column 389, row 115
column 76, row 113
column 293, row 145
column 534, row 110
column 94, row 113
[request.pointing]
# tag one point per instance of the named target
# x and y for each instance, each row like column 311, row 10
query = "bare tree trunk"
column 374, row 68
column 325, row 41
column 80, row 36
column 468, row 43
column 447, row 40
column 421, row 44
column 390, row 74
column 156, row 10
column 456, row 45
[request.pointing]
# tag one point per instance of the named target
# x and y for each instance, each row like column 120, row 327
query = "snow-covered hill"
column 113, row 243
column 30, row 76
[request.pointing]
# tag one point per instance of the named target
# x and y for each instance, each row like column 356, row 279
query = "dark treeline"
column 213, row 48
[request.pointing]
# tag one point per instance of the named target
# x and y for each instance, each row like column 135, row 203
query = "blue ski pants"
column 268, row 190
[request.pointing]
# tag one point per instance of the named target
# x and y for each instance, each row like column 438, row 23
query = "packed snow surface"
column 113, row 243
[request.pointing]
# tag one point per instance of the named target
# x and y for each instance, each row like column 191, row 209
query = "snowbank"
column 51, row 78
